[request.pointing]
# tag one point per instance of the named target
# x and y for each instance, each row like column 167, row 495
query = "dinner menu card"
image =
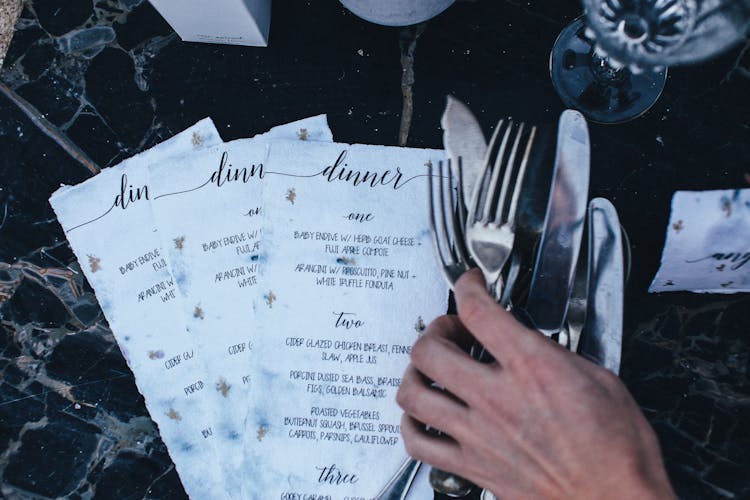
column 348, row 281
column 109, row 223
column 266, row 293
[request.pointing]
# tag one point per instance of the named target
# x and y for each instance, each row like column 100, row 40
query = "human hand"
column 540, row 422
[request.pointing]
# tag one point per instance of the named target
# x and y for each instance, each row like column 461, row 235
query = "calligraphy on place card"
column 109, row 225
column 707, row 248
column 349, row 282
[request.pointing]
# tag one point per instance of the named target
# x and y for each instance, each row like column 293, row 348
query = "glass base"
column 602, row 92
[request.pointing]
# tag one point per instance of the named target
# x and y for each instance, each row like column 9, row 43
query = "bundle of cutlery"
column 518, row 210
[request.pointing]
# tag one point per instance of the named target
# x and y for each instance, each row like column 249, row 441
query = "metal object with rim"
column 397, row 12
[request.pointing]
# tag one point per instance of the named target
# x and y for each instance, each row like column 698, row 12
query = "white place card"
column 348, row 282
column 234, row 22
column 707, row 247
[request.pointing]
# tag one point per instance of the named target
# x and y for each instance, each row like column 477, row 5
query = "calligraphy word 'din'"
column 128, row 194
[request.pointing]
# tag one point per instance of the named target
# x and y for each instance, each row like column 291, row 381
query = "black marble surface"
column 114, row 78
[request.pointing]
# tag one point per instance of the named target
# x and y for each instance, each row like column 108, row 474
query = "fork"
column 489, row 233
column 448, row 238
column 450, row 247
column 447, row 216
column 490, row 226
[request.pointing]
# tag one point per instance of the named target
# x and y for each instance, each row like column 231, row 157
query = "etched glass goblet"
column 611, row 63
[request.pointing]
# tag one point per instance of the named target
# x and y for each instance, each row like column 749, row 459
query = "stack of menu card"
column 266, row 293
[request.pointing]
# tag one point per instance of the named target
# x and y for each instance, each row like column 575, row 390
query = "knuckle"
column 444, row 322
column 413, row 450
column 410, row 397
column 421, row 351
column 404, row 395
column 409, row 438
column 537, row 366
column 518, row 363
column 472, row 309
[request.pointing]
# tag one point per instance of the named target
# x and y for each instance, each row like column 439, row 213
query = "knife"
column 463, row 138
column 575, row 317
column 601, row 340
column 560, row 243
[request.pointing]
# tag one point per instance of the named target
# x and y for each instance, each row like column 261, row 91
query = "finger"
column 500, row 333
column 438, row 451
column 450, row 328
column 441, row 360
column 429, row 405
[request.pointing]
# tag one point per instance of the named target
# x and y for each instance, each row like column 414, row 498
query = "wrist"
column 646, row 483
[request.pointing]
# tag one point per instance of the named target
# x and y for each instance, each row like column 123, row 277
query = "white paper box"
column 234, row 22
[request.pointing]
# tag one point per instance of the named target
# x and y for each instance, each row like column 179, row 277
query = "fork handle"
column 450, row 484
column 399, row 485
column 444, row 482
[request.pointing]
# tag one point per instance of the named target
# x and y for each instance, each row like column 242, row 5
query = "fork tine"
column 491, row 198
column 448, row 240
column 479, row 189
column 456, row 212
column 510, row 164
column 443, row 216
column 521, row 174
column 433, row 222
column 461, row 208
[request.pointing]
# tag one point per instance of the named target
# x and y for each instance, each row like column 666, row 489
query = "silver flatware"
column 578, row 304
column 463, row 138
column 575, row 318
column 601, row 340
column 490, row 232
column 557, row 256
column 490, row 226
column 398, row 487
column 447, row 214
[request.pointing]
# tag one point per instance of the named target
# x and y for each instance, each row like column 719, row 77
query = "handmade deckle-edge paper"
column 707, row 247
column 109, row 225
column 349, row 282
column 209, row 217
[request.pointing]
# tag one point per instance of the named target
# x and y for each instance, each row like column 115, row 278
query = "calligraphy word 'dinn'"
column 227, row 173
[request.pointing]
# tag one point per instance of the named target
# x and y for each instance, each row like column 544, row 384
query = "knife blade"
column 463, row 138
column 601, row 340
column 560, row 243
column 575, row 317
